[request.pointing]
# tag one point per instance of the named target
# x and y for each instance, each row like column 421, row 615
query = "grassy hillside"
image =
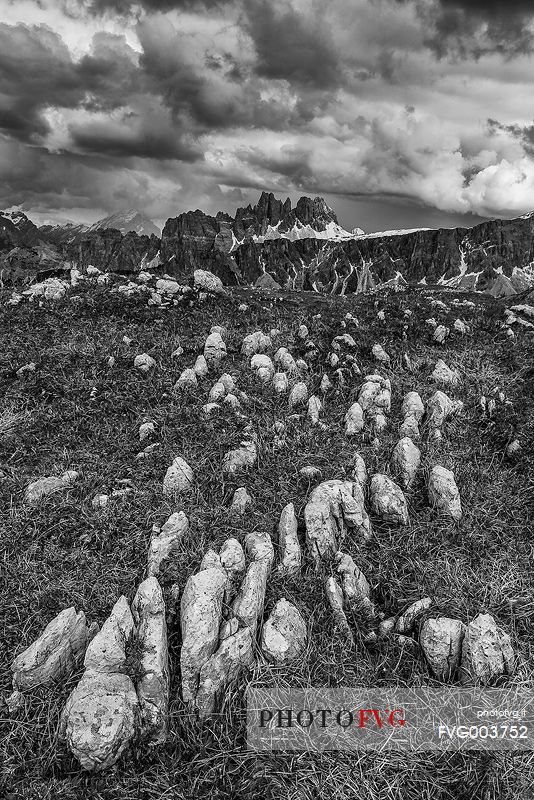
column 75, row 412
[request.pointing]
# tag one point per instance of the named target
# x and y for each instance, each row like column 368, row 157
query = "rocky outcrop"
column 55, row 653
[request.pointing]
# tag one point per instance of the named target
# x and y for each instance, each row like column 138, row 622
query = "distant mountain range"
column 275, row 244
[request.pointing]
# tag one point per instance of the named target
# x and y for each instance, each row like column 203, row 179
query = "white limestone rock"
column 441, row 642
column 355, row 586
column 303, row 332
column 207, row 282
column 440, row 334
column 314, row 409
column 148, row 610
column 248, row 605
column 354, row 420
column 332, row 509
column 169, row 287
column 241, row 501
column 146, row 430
column 440, row 407
column 326, row 384
column 144, row 362
column 334, row 596
column 256, row 342
column 298, row 395
column 235, row 655
column 44, row 487
column 412, row 405
column 443, row 492
column 100, row 501
column 164, row 543
column 285, row 361
column 262, row 366
column 241, row 458
column 444, row 374
column 405, row 462
column 388, row 500
column 410, row 428
column 487, row 652
column 210, row 408
column 187, row 380
column 359, row 470
column 214, row 350
column 407, row 621
column 54, row 655
column 227, row 381
column 201, row 610
column 201, row 367
column 284, row 634
column 460, row 327
column 280, row 383
column 178, row 479
column 290, row 550
column 217, row 392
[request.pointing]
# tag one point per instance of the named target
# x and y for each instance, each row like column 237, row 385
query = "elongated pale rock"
column 443, row 492
column 165, row 543
column 248, row 605
column 284, row 634
column 44, row 487
column 356, row 589
column 148, row 609
column 444, row 374
column 298, row 395
column 201, row 609
column 409, row 617
column 412, row 405
column 256, row 342
column 234, row 655
column 201, row 367
column 334, row 595
column 441, row 641
column 334, row 507
column 359, row 470
column 388, row 500
column 259, row 547
column 354, row 420
column 100, row 716
column 314, row 409
column 487, row 652
column 405, row 462
column 214, row 350
column 241, row 458
column 54, row 654
column 178, row 478
column 232, row 560
column 291, row 553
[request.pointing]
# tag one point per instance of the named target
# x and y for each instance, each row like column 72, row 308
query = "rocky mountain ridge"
column 274, row 244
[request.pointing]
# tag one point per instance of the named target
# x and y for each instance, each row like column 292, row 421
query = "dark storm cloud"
column 124, row 7
column 473, row 28
column 293, row 45
column 127, row 141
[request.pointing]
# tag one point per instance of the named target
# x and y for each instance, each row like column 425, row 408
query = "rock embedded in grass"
column 334, row 596
column 165, row 542
column 442, row 373
column 145, row 430
column 443, row 492
column 148, row 610
column 441, row 641
column 310, row 473
column 332, row 509
column 412, row 405
column 407, row 621
column 284, row 634
column 359, row 470
column 314, row 409
column 207, row 281
column 214, row 350
column 234, row 655
column 380, row 354
column 100, row 717
column 285, row 361
column 354, row 420
column 288, row 542
column 280, row 383
column 55, row 654
column 355, row 586
column 405, row 462
column 144, row 362
column 256, row 342
column 178, row 479
column 388, row 500
column 440, row 407
column 201, row 612
column 200, row 367
column 262, row 366
column 487, row 652
column 241, row 501
column 298, row 395
column 44, row 487
column 241, row 458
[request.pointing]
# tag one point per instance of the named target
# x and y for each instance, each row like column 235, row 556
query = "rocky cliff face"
column 298, row 248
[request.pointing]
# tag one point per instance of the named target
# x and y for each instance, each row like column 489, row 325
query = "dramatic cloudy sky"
column 402, row 113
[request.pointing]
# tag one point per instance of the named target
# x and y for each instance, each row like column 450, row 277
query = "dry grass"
column 64, row 552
